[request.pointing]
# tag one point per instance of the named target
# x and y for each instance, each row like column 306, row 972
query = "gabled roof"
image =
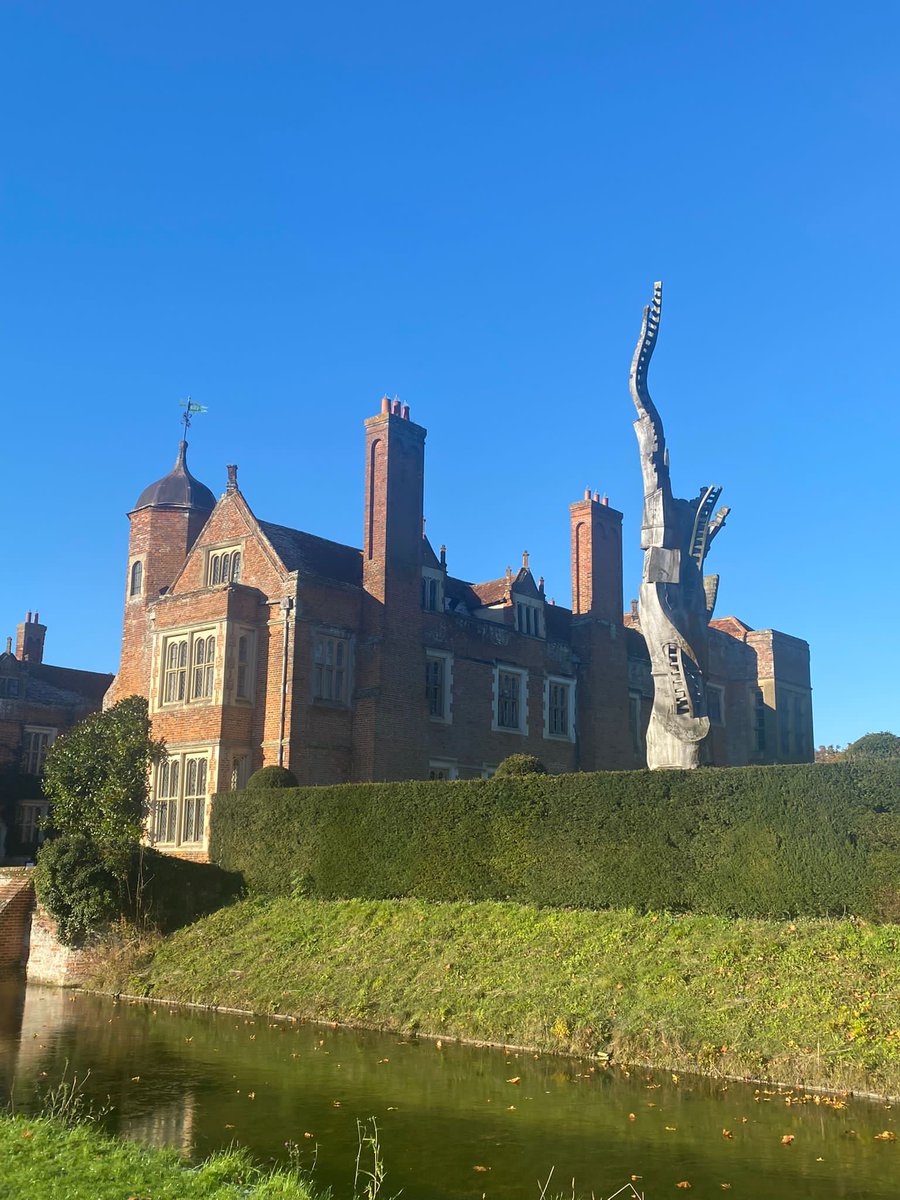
column 494, row 591
column 429, row 558
column 311, row 555
column 732, row 626
column 524, row 584
column 88, row 685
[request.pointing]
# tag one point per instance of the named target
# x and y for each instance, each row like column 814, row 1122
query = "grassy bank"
column 810, row 1001
column 47, row 1160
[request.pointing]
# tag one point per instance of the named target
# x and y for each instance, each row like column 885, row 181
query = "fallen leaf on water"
column 671, row 1128
column 885, row 1136
column 515, row 1079
column 135, row 1079
column 787, row 1139
column 684, row 1184
column 635, row 1178
column 725, row 1186
column 631, row 1116
column 726, row 1133
column 675, row 1080
column 251, row 1095
column 383, row 1060
column 511, row 1108
column 478, row 1167
column 229, row 1127
column 335, row 1104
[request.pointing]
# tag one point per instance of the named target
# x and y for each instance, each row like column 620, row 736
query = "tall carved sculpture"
column 677, row 600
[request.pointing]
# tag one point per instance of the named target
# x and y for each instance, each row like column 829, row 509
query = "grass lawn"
column 804, row 1001
column 44, row 1159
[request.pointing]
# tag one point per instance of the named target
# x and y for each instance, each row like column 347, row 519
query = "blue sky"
column 288, row 210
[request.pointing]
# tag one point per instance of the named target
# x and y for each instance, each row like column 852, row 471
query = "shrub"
column 271, row 777
column 875, row 745
column 72, row 882
column 520, row 764
column 744, row 841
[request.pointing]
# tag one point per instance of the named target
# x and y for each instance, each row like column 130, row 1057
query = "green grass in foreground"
column 810, row 1001
column 47, row 1160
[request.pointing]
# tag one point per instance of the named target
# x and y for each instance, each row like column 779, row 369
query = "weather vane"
column 189, row 409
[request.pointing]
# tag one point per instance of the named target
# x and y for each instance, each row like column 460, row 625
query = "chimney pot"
column 385, row 404
column 395, row 408
column 605, row 500
column 404, row 412
column 37, row 617
column 28, row 617
column 587, row 493
column 9, row 645
column 596, row 497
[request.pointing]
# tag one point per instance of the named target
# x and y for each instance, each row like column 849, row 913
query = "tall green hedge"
column 749, row 841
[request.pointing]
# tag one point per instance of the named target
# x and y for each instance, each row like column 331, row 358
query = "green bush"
column 271, row 777
column 158, row 891
column 78, row 890
column 520, row 764
column 748, row 841
column 875, row 745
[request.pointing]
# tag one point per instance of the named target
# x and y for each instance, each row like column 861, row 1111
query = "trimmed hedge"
column 812, row 840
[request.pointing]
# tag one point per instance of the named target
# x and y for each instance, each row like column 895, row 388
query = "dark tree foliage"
column 97, row 775
column 272, row 777
column 875, row 745
column 76, row 887
column 520, row 764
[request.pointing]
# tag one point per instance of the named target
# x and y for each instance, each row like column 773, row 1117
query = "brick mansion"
column 256, row 644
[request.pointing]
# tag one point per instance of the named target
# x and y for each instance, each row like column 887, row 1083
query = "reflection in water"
column 200, row 1081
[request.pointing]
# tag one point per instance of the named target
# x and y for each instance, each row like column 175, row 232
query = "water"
column 199, row 1081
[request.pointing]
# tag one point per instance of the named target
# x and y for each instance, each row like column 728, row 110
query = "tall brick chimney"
column 596, row 558
column 30, row 635
column 391, row 718
column 395, row 481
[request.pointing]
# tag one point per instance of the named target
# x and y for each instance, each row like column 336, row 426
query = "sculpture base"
column 668, row 753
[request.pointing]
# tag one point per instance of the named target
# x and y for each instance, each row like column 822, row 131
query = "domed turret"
column 178, row 489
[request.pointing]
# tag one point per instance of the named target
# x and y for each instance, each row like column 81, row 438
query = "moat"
column 453, row 1121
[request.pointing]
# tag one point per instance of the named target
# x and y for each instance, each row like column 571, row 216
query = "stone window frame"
column 188, row 666
column 506, row 669
column 34, row 750
column 245, row 669
column 189, row 767
column 338, row 638
column 445, row 716
column 432, row 589
column 29, row 814
column 567, row 682
column 136, row 570
column 224, row 564
column 719, row 692
column 529, row 616
column 443, row 768
column 241, row 769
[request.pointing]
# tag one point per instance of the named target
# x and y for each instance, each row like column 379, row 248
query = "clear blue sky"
column 287, row 210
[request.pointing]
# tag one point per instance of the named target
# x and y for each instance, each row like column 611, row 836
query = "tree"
column 875, row 745
column 520, row 764
column 829, row 754
column 97, row 776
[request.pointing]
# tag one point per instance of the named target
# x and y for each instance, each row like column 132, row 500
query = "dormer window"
column 432, row 590
column 223, row 566
column 529, row 618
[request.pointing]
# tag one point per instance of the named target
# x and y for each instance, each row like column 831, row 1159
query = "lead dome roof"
column 178, row 489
